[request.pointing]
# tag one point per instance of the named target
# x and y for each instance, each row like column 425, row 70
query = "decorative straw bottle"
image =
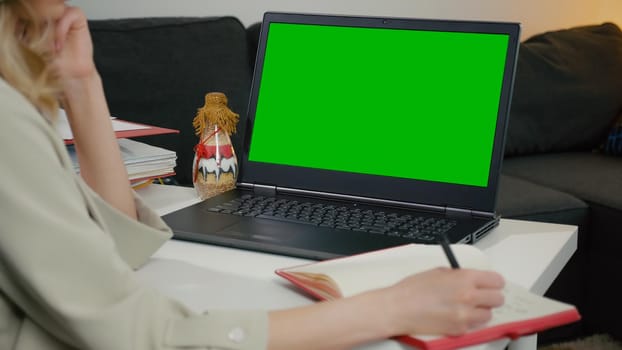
column 215, row 166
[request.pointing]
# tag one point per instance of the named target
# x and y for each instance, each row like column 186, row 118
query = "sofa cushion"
column 613, row 142
column 567, row 90
column 521, row 199
column 593, row 177
column 158, row 70
column 252, row 33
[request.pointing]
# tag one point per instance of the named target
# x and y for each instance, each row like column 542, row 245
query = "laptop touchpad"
column 262, row 230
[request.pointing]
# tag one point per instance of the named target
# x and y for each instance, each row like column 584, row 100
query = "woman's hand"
column 439, row 301
column 73, row 49
column 442, row 301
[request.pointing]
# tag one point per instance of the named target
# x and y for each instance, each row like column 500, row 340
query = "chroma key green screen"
column 402, row 103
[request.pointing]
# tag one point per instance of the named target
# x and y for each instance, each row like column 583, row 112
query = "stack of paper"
column 142, row 161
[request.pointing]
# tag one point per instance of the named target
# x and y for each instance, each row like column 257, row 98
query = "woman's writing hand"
column 443, row 301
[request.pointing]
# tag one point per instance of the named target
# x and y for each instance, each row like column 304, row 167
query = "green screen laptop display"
column 411, row 104
column 387, row 117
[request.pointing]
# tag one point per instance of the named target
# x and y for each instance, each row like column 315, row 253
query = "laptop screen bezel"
column 428, row 193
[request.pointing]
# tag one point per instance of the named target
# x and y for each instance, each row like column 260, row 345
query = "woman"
column 68, row 243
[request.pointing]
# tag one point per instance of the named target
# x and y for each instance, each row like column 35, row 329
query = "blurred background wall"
column 535, row 15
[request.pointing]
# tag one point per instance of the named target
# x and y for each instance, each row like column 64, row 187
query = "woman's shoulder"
column 24, row 132
column 15, row 106
column 19, row 116
column 10, row 97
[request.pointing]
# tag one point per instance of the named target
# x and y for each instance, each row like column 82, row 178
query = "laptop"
column 365, row 133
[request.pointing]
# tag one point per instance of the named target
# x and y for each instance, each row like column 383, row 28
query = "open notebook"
column 523, row 312
column 365, row 133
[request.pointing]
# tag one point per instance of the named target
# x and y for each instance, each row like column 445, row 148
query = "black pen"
column 448, row 252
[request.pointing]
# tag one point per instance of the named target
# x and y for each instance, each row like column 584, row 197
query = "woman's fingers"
column 448, row 301
column 489, row 298
column 489, row 279
column 70, row 18
column 73, row 58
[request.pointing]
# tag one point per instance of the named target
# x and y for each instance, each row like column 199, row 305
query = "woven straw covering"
column 215, row 112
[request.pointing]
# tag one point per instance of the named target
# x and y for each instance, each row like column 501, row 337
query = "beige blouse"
column 67, row 258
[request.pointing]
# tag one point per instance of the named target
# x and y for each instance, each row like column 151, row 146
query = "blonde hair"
column 24, row 58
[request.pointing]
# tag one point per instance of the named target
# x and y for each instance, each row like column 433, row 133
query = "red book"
column 122, row 128
column 523, row 313
column 125, row 129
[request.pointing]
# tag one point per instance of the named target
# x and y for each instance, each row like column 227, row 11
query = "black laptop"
column 365, row 133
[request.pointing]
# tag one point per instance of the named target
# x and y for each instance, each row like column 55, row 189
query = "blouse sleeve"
column 62, row 269
column 135, row 240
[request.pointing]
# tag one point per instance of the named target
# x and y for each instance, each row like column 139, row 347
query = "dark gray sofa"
column 568, row 93
column 158, row 70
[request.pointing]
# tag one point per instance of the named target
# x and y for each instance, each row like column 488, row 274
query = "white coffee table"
column 205, row 276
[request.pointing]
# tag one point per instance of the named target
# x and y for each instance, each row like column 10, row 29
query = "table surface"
column 204, row 276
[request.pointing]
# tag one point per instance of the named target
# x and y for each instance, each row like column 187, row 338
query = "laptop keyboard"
column 421, row 228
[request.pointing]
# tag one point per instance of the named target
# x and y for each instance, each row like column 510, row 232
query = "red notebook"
column 125, row 129
column 122, row 128
column 523, row 313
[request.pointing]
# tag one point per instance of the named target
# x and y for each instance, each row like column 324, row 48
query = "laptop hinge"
column 264, row 190
column 459, row 212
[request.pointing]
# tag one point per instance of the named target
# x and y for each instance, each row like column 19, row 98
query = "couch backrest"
column 568, row 90
column 158, row 70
